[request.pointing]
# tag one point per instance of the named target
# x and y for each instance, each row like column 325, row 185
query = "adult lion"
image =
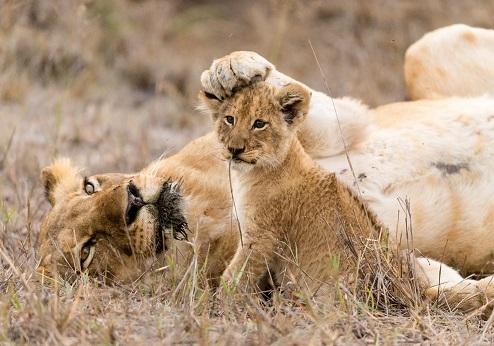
column 433, row 153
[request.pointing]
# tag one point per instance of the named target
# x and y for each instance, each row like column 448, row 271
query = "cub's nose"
column 236, row 151
column 135, row 203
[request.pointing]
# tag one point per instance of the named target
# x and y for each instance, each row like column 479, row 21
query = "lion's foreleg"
column 251, row 261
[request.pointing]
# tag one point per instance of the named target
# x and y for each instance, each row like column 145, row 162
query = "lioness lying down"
column 435, row 153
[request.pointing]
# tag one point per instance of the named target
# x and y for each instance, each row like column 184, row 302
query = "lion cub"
column 293, row 214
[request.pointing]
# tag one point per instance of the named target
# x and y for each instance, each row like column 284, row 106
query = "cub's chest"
column 251, row 200
column 240, row 190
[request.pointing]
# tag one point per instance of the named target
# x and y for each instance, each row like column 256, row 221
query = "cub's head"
column 107, row 224
column 257, row 124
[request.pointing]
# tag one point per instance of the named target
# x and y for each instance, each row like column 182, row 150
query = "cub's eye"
column 88, row 187
column 259, row 124
column 229, row 120
column 87, row 253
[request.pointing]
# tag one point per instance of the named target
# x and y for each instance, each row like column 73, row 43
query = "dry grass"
column 112, row 84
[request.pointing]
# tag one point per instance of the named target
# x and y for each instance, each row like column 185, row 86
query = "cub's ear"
column 209, row 103
column 59, row 179
column 294, row 101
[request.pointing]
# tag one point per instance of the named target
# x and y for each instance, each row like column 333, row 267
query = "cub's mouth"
column 239, row 160
column 239, row 155
column 167, row 209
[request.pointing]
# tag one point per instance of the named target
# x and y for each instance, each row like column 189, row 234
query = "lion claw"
column 234, row 72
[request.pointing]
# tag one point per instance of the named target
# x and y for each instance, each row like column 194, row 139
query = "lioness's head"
column 106, row 224
column 257, row 123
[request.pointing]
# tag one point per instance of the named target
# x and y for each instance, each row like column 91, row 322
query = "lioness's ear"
column 59, row 179
column 294, row 101
column 209, row 103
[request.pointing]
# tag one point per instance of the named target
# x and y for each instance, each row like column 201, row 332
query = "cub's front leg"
column 251, row 261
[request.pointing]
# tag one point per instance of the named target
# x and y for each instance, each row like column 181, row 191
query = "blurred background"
column 113, row 83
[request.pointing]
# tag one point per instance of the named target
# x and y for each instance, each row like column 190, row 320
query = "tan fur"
column 76, row 217
column 59, row 179
column 207, row 203
column 401, row 150
column 203, row 170
column 292, row 212
column 204, row 177
column 452, row 61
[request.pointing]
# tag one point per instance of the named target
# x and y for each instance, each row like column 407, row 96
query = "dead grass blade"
column 14, row 269
column 7, row 149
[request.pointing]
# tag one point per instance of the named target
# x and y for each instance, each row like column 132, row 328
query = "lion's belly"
column 452, row 216
column 444, row 173
column 452, row 220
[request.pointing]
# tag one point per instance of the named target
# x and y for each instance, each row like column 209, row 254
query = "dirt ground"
column 112, row 84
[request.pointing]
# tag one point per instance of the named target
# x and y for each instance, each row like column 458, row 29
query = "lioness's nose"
column 135, row 197
column 236, row 151
column 134, row 203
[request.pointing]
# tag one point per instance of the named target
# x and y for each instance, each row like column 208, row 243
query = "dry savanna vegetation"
column 112, row 84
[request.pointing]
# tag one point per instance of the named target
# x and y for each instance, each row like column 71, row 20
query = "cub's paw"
column 234, row 71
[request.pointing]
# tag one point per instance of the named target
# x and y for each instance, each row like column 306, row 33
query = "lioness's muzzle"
column 170, row 212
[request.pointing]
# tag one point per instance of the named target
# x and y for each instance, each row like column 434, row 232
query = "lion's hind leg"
column 447, row 287
column 452, row 61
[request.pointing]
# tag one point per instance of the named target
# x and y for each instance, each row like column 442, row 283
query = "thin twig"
column 328, row 90
column 345, row 147
column 340, row 131
column 233, row 200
